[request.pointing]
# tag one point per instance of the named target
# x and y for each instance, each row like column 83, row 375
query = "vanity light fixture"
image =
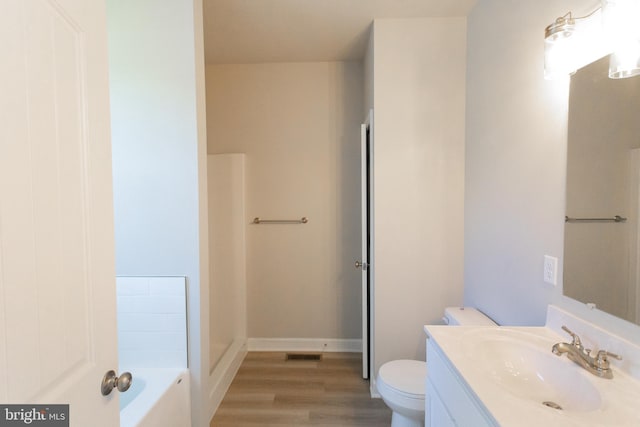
column 625, row 61
column 563, row 28
column 622, row 30
column 573, row 42
column 557, row 47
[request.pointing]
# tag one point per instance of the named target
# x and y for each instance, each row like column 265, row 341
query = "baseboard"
column 222, row 376
column 305, row 344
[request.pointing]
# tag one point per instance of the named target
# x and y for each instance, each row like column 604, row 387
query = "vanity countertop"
column 497, row 365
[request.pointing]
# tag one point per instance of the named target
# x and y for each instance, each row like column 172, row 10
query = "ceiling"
column 252, row 31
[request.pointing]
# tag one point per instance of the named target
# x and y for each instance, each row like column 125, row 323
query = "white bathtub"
column 157, row 398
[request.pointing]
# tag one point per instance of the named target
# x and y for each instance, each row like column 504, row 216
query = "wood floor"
column 272, row 392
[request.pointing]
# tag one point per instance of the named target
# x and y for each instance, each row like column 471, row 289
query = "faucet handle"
column 576, row 339
column 602, row 360
column 603, row 355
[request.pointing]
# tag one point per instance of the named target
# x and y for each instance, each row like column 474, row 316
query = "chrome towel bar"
column 616, row 218
column 302, row 220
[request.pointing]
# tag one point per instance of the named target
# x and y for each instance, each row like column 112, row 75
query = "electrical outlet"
column 550, row 274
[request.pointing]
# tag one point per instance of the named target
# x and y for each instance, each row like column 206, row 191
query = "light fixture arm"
column 565, row 21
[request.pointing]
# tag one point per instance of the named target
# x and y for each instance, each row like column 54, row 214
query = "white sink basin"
column 510, row 372
column 524, row 365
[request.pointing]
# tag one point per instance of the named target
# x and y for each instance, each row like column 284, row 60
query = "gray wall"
column 299, row 126
column 156, row 71
column 515, row 161
column 516, row 164
column 154, row 139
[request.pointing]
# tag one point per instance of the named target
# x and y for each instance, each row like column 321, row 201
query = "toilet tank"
column 466, row 316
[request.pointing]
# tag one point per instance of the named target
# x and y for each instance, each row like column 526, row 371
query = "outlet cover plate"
column 550, row 274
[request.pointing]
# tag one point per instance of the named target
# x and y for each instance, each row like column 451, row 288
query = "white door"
column 364, row 263
column 57, row 279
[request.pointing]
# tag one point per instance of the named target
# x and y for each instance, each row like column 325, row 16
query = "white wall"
column 298, row 125
column 158, row 139
column 227, row 272
column 227, row 254
column 152, row 322
column 516, row 128
column 418, row 97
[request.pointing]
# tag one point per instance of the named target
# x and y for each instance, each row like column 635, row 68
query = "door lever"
column 362, row 265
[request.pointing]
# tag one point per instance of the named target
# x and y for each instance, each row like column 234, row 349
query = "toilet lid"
column 406, row 376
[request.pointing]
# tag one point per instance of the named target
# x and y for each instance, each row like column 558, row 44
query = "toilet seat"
column 405, row 377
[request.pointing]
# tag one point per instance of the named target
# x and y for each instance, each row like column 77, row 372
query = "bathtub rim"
column 158, row 381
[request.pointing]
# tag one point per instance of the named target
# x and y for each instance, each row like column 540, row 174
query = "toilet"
column 401, row 383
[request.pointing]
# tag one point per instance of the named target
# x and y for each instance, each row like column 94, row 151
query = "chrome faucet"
column 598, row 365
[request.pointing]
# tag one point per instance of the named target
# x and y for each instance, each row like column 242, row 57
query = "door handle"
column 111, row 381
column 362, row 265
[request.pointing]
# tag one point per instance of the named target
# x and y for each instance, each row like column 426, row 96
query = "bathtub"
column 157, row 398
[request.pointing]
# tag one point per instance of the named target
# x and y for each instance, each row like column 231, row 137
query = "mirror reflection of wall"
column 602, row 258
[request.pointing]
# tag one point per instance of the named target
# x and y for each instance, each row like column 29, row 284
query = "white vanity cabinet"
column 448, row 401
column 437, row 413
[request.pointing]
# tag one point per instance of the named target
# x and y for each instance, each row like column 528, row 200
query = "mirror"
column 602, row 252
